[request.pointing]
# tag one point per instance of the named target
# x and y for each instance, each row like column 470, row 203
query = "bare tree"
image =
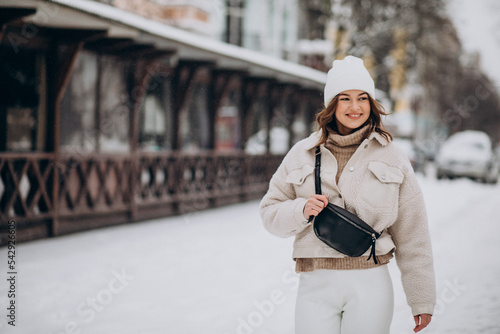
column 314, row 18
column 431, row 57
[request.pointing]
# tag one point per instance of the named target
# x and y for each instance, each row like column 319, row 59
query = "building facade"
column 294, row 30
column 108, row 117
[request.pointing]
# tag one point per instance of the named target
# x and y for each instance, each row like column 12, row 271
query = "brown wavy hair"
column 326, row 120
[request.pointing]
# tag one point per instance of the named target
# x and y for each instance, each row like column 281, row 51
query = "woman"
column 364, row 172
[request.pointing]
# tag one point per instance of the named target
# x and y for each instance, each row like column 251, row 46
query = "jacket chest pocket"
column 380, row 186
column 302, row 180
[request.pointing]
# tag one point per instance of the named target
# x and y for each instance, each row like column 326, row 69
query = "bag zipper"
column 373, row 235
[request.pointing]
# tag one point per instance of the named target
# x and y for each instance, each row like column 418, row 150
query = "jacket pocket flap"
column 386, row 173
column 297, row 176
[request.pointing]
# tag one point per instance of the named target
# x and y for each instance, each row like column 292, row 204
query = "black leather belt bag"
column 339, row 228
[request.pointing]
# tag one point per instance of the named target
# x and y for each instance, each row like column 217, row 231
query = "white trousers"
column 345, row 302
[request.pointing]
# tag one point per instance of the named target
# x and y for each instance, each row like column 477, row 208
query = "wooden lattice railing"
column 124, row 188
column 93, row 184
column 25, row 186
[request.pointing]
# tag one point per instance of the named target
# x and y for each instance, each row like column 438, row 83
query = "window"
column 195, row 121
column 234, row 22
column 114, row 122
column 256, row 143
column 95, row 109
column 227, row 123
column 21, row 116
column 279, row 135
column 156, row 124
column 78, row 106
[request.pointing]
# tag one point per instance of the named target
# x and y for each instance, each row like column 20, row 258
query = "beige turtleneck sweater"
column 342, row 148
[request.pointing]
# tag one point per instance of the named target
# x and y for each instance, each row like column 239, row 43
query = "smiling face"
column 353, row 110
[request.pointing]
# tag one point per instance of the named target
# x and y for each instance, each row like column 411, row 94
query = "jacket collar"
column 311, row 141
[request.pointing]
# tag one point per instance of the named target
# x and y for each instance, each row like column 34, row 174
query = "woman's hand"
column 315, row 205
column 421, row 321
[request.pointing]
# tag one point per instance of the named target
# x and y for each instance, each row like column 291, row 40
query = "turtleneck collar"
column 354, row 138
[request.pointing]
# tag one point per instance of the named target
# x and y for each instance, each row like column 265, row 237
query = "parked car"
column 468, row 154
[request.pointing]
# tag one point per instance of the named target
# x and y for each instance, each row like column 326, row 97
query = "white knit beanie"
column 346, row 74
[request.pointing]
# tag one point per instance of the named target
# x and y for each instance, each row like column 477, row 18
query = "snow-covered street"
column 220, row 272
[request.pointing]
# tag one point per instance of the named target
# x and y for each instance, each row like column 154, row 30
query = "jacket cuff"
column 299, row 213
column 417, row 309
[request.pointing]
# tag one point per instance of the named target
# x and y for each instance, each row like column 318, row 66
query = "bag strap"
column 317, row 168
column 317, row 177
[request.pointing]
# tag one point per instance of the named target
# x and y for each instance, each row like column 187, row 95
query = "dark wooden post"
column 139, row 84
column 248, row 97
column 252, row 90
column 60, row 64
column 275, row 96
column 183, row 77
column 61, row 71
column 217, row 90
column 98, row 103
column 249, row 94
column 294, row 103
column 184, row 74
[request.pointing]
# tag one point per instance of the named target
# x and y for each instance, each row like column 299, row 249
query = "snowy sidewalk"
column 220, row 272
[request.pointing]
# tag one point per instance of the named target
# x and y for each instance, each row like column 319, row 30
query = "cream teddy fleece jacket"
column 378, row 185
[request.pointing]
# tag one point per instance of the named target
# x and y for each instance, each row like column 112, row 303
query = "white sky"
column 478, row 25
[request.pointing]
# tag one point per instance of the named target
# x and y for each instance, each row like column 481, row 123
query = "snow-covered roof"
column 277, row 67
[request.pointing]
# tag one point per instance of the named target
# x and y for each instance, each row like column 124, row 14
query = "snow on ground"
column 220, row 272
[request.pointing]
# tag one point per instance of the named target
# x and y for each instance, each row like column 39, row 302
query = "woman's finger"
column 324, row 198
column 421, row 321
column 314, row 205
column 317, row 204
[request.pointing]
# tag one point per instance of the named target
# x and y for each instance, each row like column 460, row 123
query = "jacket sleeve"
column 413, row 248
column 281, row 211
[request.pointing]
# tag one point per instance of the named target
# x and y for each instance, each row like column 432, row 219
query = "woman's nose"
column 355, row 105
